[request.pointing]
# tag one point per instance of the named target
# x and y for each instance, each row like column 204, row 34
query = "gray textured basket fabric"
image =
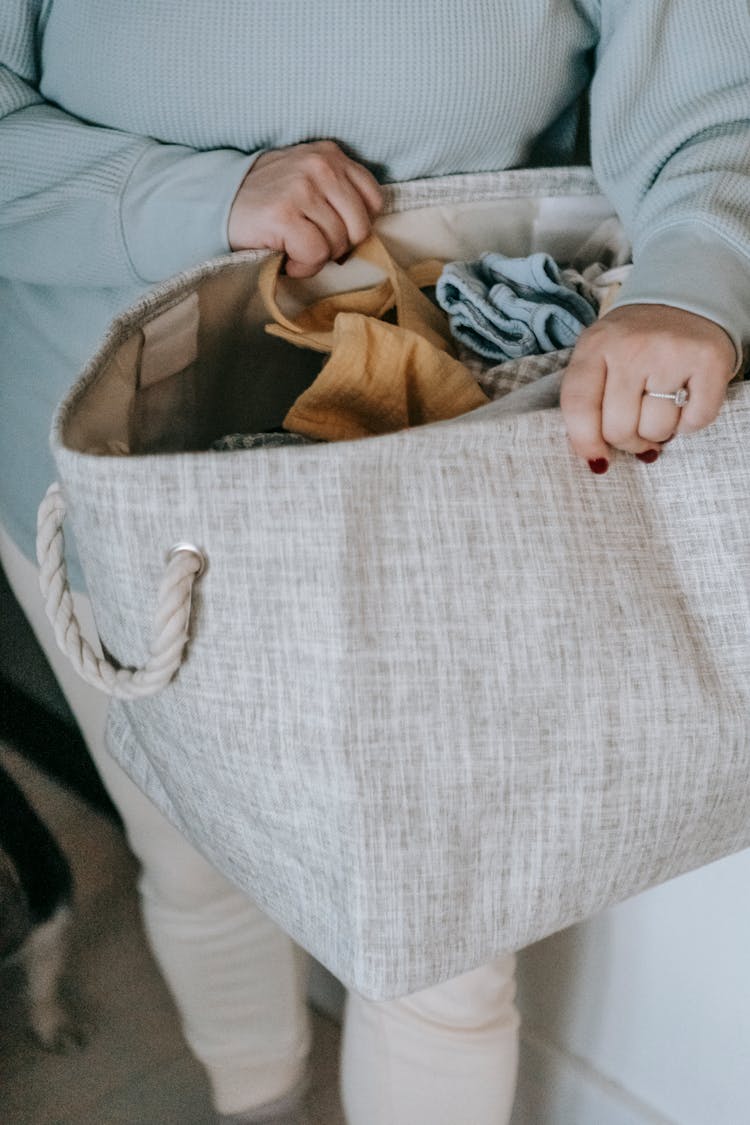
column 446, row 691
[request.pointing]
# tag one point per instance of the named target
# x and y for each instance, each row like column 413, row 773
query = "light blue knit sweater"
column 126, row 128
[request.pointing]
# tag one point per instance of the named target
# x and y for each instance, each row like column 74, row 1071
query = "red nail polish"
column 648, row 456
column 599, row 466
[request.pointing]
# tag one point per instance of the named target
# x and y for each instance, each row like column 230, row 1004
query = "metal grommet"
column 191, row 549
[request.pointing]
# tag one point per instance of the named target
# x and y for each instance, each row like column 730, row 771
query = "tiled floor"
column 134, row 1068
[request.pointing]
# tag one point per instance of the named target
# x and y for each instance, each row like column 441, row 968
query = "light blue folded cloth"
column 503, row 308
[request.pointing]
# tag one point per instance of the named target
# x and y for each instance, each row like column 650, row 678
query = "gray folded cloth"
column 503, row 308
column 501, row 379
column 270, row 440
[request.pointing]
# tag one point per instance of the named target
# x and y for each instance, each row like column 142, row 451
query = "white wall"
column 642, row 1015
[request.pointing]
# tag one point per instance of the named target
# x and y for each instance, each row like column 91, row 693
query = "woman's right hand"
column 310, row 201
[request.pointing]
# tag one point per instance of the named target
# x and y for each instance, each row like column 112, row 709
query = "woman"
column 140, row 139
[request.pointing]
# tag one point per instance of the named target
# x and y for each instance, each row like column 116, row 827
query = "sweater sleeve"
column 84, row 205
column 670, row 140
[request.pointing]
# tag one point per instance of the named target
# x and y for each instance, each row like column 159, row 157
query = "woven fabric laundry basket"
column 444, row 691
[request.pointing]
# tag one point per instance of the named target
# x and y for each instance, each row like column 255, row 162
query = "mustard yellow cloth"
column 380, row 377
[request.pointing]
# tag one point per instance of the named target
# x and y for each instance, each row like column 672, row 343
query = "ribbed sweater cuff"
column 175, row 207
column 694, row 268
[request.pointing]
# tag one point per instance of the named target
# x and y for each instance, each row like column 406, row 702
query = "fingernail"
column 599, row 466
column 648, row 456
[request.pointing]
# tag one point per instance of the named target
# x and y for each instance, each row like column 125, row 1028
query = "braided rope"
column 170, row 631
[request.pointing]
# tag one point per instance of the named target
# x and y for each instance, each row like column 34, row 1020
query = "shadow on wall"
column 549, row 997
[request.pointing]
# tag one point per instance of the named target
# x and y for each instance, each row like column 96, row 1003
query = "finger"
column 659, row 419
column 633, row 420
column 326, row 218
column 706, row 394
column 351, row 211
column 354, row 195
column 367, row 187
column 306, row 247
column 581, row 398
column 621, row 410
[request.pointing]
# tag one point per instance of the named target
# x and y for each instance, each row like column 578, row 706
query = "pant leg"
column 445, row 1055
column 238, row 981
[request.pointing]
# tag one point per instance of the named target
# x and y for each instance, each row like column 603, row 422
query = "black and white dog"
column 35, row 879
column 35, row 911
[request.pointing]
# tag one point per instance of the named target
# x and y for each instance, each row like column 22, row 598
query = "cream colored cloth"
column 380, row 377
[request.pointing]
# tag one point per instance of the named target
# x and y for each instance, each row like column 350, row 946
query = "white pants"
column 444, row 1056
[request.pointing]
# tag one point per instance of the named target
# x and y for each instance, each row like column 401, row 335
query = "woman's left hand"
column 630, row 351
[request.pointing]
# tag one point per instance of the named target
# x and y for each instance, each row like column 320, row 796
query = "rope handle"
column 185, row 563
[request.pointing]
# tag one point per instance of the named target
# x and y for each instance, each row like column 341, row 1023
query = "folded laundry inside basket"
column 504, row 307
column 510, row 317
column 380, row 377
